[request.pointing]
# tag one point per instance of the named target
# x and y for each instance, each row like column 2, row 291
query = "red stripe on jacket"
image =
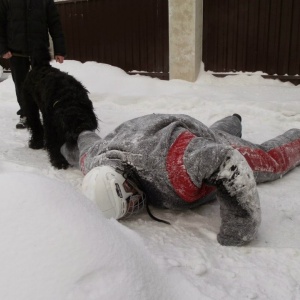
column 277, row 160
column 82, row 163
column 177, row 173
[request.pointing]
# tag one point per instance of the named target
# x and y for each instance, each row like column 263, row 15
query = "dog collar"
column 57, row 101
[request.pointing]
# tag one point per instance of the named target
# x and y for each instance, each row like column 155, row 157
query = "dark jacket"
column 26, row 23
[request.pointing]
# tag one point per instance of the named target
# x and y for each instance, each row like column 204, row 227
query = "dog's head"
column 75, row 120
column 40, row 56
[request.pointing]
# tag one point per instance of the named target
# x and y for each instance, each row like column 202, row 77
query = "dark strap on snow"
column 153, row 217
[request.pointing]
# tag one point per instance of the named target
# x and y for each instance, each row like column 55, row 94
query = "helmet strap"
column 130, row 173
column 153, row 217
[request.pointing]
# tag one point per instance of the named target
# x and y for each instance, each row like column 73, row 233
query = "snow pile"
column 57, row 245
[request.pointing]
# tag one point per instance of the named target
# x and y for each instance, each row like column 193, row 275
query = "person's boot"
column 238, row 116
column 22, row 123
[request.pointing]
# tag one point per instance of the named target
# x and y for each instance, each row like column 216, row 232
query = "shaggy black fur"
column 64, row 104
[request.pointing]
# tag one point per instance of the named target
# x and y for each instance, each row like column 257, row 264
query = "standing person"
column 24, row 25
column 176, row 162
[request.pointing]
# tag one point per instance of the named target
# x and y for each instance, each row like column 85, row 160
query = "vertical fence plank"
column 231, row 36
column 273, row 37
column 210, row 27
column 294, row 55
column 222, row 36
column 262, row 34
column 285, row 37
column 252, row 36
column 242, row 34
column 165, row 36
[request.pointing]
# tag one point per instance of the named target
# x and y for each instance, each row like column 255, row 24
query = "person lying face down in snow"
column 176, row 162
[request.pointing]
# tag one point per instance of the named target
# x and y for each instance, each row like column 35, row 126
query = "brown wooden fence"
column 238, row 35
column 252, row 35
column 130, row 34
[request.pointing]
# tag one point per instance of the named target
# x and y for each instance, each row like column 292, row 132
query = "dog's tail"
column 40, row 57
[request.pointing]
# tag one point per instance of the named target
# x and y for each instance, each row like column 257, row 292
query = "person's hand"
column 7, row 55
column 59, row 58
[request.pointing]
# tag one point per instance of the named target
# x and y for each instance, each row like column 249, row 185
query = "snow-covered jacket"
column 181, row 163
column 175, row 155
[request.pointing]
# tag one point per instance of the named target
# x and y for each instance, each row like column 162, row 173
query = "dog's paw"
column 60, row 164
column 36, row 144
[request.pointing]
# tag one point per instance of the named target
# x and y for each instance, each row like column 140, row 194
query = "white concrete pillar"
column 185, row 38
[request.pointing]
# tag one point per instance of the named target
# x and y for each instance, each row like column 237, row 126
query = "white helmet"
column 116, row 196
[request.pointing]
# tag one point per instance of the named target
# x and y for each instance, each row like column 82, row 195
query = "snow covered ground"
column 55, row 244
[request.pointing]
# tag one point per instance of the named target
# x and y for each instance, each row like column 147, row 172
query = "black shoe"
column 22, row 123
column 238, row 116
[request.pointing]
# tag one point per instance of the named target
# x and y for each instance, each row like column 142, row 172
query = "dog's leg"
column 53, row 145
column 56, row 158
column 33, row 120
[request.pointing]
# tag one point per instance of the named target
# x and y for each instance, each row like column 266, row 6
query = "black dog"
column 64, row 104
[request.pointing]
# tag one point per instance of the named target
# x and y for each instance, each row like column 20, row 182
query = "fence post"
column 185, row 38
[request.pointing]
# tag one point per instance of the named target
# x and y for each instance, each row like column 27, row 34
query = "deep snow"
column 56, row 244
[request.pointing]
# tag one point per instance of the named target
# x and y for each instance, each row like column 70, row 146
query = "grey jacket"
column 181, row 163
